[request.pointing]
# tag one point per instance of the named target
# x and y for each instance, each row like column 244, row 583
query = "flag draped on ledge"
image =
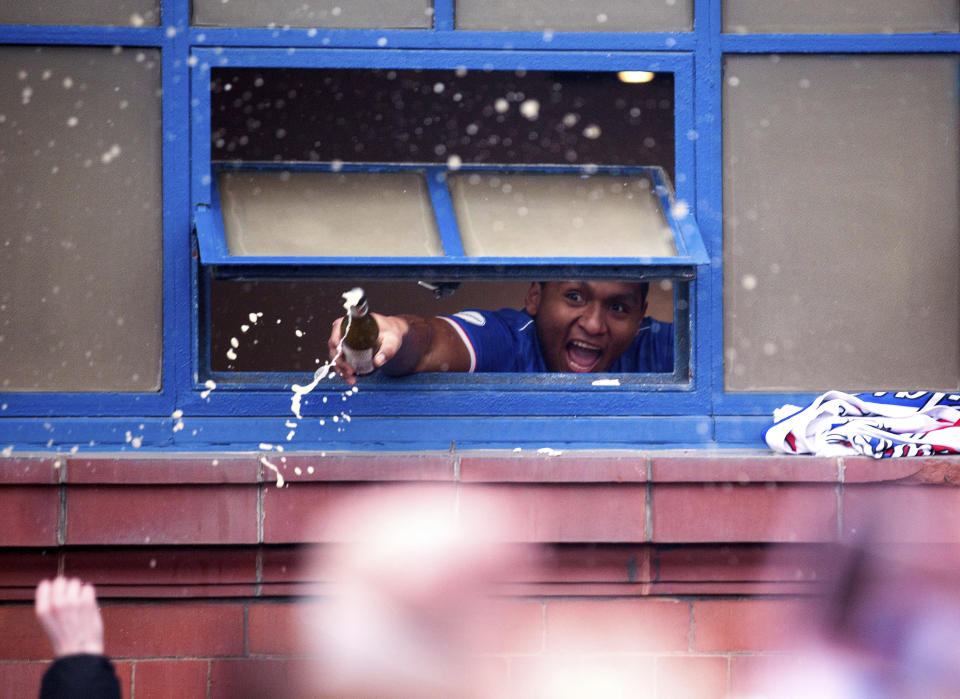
column 881, row 425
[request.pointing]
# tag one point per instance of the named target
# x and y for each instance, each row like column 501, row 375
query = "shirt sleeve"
column 493, row 343
column 80, row 676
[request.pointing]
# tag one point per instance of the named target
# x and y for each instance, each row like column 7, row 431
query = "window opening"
column 328, row 178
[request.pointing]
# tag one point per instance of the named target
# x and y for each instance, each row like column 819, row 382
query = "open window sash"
column 442, row 223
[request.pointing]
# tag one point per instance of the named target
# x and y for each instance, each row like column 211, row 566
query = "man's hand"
column 68, row 612
column 393, row 329
column 408, row 345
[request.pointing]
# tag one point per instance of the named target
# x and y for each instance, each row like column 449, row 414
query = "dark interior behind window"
column 427, row 116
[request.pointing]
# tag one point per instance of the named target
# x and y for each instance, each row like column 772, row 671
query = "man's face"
column 584, row 326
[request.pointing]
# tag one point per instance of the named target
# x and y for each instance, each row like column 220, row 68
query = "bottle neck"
column 359, row 310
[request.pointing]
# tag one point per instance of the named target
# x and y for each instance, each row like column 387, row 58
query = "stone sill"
column 682, row 466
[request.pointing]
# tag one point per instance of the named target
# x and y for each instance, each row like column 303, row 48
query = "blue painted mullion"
column 708, row 108
column 443, row 15
column 840, row 43
column 201, row 172
column 443, row 59
column 175, row 21
column 441, row 37
column 443, row 211
column 53, row 35
column 178, row 313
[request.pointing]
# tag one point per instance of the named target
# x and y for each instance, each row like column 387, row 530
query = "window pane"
column 432, row 116
column 851, row 16
column 841, row 233
column 574, row 15
column 539, row 215
column 396, row 14
column 81, row 236
column 134, row 13
column 355, row 214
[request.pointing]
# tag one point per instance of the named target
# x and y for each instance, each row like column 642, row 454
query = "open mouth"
column 581, row 356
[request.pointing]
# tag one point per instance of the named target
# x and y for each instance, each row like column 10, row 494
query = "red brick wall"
column 681, row 570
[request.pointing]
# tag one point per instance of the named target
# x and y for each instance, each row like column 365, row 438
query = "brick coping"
column 481, row 466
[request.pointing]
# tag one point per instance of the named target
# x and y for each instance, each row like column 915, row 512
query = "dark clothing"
column 80, row 676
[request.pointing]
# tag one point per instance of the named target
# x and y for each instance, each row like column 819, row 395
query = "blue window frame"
column 451, row 395
column 421, row 411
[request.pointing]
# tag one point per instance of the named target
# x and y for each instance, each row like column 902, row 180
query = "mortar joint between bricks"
column 543, row 626
column 62, row 515
column 261, row 489
column 648, row 500
column 246, row 629
column 258, row 585
column 841, row 474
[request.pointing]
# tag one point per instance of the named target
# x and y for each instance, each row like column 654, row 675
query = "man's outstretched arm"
column 409, row 345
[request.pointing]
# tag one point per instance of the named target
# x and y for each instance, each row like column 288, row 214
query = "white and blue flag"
column 881, row 425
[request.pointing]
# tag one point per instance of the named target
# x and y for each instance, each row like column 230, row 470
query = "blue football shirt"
column 506, row 340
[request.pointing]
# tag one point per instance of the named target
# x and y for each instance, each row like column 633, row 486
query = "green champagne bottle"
column 360, row 333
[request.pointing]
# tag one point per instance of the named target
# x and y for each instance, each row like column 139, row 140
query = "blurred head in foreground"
column 404, row 605
column 889, row 624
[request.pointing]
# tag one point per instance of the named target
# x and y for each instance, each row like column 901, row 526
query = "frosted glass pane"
column 850, row 16
column 841, row 233
column 575, row 15
column 542, row 215
column 346, row 214
column 81, row 232
column 395, row 14
column 122, row 13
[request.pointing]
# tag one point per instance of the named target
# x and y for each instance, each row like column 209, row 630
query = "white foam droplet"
column 530, row 109
column 592, row 131
column 265, row 462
